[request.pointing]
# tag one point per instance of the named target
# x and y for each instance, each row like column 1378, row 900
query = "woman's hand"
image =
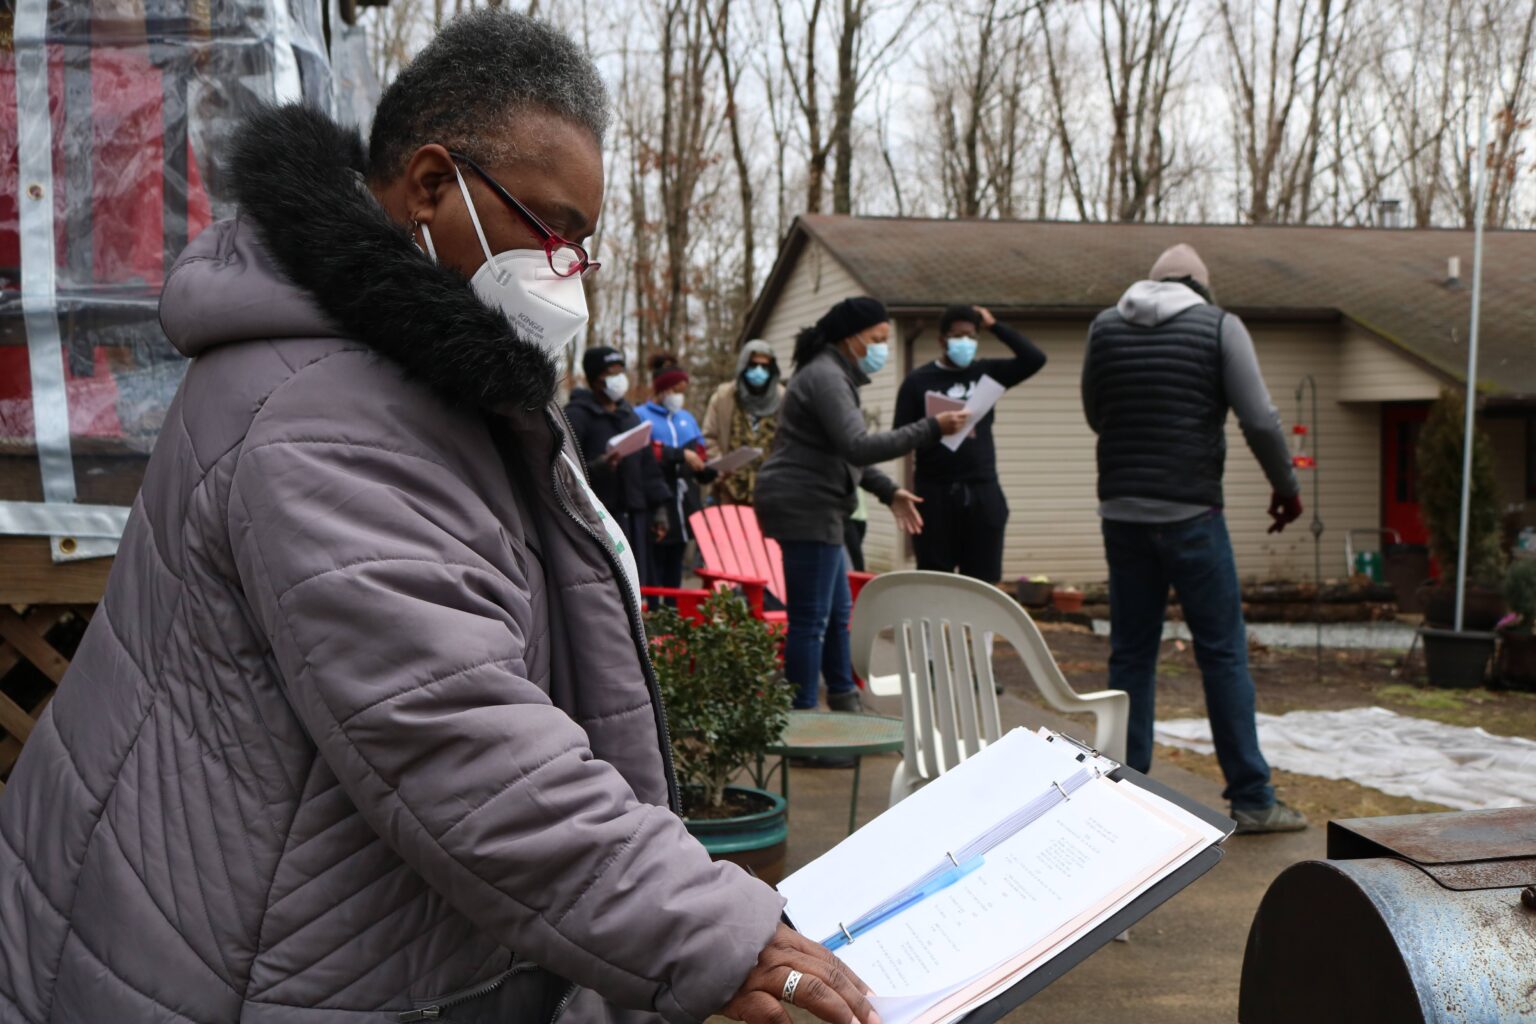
column 904, row 508
column 952, row 422
column 692, row 458
column 828, row 989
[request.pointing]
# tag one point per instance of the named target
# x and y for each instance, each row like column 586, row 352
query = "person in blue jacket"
column 678, row 444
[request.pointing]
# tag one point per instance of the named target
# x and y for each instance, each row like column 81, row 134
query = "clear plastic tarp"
column 113, row 117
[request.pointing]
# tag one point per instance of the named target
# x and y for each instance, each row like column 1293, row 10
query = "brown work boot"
column 1277, row 817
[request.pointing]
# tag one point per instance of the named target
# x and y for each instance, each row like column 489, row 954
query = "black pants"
column 963, row 525
column 637, row 527
column 667, row 564
column 853, row 540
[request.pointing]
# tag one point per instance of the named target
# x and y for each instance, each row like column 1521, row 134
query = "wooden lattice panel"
column 31, row 669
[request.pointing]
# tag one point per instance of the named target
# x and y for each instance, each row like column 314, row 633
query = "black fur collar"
column 295, row 176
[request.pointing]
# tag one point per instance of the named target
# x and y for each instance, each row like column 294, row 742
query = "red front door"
column 1400, row 427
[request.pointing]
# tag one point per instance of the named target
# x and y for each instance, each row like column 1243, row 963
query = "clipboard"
column 1161, row 892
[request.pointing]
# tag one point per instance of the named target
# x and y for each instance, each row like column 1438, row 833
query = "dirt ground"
column 1287, row 679
column 1183, row 964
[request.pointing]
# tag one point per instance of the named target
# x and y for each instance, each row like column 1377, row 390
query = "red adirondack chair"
column 687, row 600
column 736, row 553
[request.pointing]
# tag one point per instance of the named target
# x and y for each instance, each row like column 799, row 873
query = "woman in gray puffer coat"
column 365, row 728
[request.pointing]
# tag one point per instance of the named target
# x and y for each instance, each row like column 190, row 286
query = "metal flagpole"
column 1471, row 402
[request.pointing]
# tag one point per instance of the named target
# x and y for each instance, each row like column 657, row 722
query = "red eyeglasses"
column 566, row 258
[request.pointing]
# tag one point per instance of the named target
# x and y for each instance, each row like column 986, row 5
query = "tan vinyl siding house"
column 1045, row 449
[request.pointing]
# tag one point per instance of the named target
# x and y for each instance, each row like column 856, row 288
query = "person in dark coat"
column 631, row 488
column 807, row 488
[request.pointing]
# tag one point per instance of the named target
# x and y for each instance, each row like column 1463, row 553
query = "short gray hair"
column 483, row 67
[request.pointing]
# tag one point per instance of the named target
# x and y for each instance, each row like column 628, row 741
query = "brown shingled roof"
column 1392, row 282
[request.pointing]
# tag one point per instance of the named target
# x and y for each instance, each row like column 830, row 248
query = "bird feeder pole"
column 1306, row 458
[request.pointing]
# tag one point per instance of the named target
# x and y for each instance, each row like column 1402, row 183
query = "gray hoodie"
column 1150, row 303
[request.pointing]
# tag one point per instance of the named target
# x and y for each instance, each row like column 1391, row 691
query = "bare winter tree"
column 963, row 92
column 734, row 116
column 1143, row 49
column 1283, row 61
column 1415, row 74
column 983, row 107
column 688, row 133
column 1495, row 67
column 730, row 80
column 394, row 34
column 1512, row 99
column 866, row 37
column 804, row 80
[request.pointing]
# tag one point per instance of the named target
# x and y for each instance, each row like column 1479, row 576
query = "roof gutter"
column 1255, row 314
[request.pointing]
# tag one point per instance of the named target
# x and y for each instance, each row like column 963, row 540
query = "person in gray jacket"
column 1162, row 369
column 365, row 727
column 807, row 488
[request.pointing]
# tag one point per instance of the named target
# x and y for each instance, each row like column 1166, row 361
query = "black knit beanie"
column 596, row 360
column 851, row 316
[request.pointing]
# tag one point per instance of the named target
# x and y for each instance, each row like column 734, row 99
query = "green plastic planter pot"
column 757, row 841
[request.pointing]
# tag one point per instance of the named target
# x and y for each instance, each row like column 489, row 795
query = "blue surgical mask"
column 961, row 351
column 756, row 376
column 875, row 356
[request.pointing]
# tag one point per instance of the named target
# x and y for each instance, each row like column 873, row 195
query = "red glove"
column 1283, row 511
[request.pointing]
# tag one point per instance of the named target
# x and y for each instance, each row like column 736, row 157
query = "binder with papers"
column 631, row 440
column 977, row 891
column 732, row 461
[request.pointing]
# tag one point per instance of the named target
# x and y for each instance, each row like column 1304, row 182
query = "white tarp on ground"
column 1453, row 765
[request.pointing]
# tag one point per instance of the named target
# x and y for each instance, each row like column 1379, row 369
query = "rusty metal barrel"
column 1419, row 919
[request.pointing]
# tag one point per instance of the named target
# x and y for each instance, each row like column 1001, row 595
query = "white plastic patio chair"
column 948, row 696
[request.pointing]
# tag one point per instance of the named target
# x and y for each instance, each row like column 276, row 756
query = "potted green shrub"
column 1517, row 633
column 727, row 702
column 1459, row 658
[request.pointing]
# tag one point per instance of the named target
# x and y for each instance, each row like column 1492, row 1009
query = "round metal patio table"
column 833, row 734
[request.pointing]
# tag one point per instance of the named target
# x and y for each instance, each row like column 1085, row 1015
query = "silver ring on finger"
column 790, row 984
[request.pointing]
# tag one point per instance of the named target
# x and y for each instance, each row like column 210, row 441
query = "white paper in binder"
column 1034, row 893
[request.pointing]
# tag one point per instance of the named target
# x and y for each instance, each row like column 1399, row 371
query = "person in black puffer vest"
column 1162, row 369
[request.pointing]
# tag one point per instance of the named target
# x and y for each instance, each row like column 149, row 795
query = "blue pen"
column 948, row 878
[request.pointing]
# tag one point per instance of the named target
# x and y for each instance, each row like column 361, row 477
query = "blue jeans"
column 819, row 604
column 1195, row 558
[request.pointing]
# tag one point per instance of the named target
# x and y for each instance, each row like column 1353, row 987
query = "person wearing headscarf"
column 807, row 487
column 744, row 413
